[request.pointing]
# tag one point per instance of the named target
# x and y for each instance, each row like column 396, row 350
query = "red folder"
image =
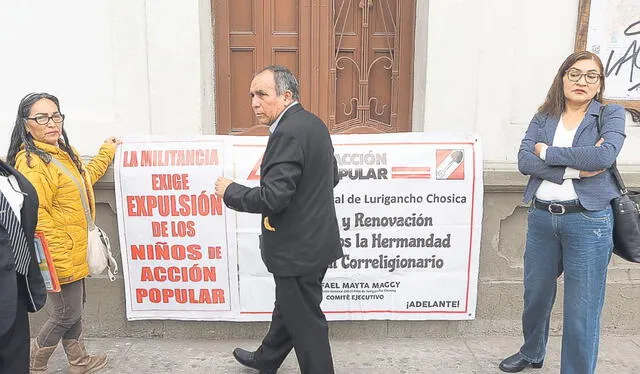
column 45, row 263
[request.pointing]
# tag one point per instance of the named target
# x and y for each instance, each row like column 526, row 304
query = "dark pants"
column 65, row 314
column 298, row 322
column 14, row 345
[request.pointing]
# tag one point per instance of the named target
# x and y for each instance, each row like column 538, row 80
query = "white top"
column 560, row 192
column 14, row 197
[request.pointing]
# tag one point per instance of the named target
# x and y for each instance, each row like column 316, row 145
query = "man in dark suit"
column 300, row 235
column 22, row 289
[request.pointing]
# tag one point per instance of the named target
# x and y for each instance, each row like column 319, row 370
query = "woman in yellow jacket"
column 39, row 136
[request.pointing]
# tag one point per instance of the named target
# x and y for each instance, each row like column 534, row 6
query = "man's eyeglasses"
column 591, row 77
column 44, row 119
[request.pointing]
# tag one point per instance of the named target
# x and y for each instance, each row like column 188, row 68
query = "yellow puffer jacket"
column 61, row 216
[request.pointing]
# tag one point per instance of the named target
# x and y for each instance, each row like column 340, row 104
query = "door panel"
column 353, row 59
column 372, row 65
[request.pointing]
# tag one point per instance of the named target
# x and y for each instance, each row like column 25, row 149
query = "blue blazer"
column 594, row 193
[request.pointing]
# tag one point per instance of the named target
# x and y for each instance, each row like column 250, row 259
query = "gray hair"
column 285, row 80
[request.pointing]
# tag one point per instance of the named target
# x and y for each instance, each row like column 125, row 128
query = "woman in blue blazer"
column 569, row 221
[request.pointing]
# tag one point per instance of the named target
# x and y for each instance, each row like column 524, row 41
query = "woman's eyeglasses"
column 591, row 77
column 44, row 119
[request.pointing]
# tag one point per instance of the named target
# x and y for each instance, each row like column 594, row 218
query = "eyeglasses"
column 44, row 119
column 591, row 77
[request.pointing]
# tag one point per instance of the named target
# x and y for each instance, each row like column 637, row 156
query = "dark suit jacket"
column 300, row 232
column 35, row 288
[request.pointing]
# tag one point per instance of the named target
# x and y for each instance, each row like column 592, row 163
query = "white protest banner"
column 409, row 207
column 256, row 284
column 178, row 252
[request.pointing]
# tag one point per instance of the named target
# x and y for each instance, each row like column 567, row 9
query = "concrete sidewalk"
column 618, row 354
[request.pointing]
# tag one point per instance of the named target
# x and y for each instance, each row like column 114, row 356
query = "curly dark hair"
column 20, row 136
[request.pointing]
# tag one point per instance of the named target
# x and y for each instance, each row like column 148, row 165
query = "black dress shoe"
column 248, row 359
column 516, row 363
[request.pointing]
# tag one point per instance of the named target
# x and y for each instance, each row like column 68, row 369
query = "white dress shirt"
column 15, row 198
column 273, row 126
column 550, row 191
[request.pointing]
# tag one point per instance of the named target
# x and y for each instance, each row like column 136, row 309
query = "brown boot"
column 80, row 362
column 39, row 358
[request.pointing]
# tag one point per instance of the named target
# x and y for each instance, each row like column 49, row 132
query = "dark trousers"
column 65, row 314
column 298, row 322
column 14, row 345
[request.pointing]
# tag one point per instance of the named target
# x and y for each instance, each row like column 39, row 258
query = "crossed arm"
column 589, row 160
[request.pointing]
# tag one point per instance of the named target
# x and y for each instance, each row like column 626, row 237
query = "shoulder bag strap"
column 81, row 188
column 614, row 168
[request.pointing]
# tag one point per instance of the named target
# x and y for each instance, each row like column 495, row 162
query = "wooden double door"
column 353, row 59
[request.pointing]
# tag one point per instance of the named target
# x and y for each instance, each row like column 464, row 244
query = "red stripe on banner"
column 376, row 311
column 403, row 143
column 410, row 176
column 409, row 168
column 473, row 197
column 398, row 311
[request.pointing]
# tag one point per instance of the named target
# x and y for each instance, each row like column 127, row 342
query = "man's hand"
column 221, row 186
column 538, row 148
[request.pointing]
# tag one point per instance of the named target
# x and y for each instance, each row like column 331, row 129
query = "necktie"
column 16, row 235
